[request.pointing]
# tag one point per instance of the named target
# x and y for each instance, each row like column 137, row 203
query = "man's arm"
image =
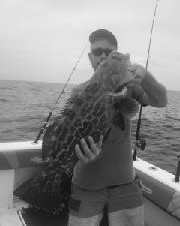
column 146, row 89
column 154, row 92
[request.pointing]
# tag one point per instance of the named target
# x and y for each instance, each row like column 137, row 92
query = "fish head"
column 113, row 72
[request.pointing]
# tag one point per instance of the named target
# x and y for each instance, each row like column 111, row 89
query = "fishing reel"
column 140, row 145
column 141, row 142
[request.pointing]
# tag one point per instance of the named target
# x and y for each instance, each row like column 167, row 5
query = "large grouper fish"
column 91, row 110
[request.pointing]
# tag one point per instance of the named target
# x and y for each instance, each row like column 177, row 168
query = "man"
column 104, row 173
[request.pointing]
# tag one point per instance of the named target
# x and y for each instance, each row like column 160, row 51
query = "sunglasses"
column 100, row 51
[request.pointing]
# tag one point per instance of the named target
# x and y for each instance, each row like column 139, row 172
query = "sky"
column 42, row 40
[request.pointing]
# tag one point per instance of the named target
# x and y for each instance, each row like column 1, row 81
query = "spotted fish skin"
column 90, row 111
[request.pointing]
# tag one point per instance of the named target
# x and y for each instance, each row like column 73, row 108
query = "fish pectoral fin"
column 125, row 105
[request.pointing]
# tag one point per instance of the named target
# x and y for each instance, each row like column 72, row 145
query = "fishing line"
column 138, row 139
column 74, row 68
column 42, row 130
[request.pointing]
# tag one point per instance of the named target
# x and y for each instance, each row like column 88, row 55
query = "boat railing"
column 19, row 161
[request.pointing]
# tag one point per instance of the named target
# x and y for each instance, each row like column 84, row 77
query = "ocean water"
column 24, row 107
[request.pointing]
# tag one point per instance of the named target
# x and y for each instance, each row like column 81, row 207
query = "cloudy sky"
column 41, row 40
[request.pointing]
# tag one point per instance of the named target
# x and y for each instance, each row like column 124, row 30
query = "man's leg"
column 86, row 206
column 79, row 221
column 125, row 205
column 127, row 217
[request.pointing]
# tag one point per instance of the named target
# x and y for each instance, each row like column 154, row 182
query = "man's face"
column 100, row 49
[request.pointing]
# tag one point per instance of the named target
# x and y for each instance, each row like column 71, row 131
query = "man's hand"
column 119, row 56
column 139, row 72
column 88, row 155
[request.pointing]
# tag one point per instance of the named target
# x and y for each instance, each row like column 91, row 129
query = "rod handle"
column 177, row 170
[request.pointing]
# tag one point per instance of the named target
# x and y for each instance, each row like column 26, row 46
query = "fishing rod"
column 140, row 140
column 43, row 128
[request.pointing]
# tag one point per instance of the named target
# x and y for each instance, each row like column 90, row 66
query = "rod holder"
column 177, row 170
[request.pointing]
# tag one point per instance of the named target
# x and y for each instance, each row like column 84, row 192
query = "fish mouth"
column 120, row 83
column 122, row 88
column 121, row 91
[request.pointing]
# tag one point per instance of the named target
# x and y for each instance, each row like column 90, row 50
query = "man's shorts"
column 86, row 203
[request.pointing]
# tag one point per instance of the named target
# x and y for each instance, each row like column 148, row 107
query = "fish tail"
column 49, row 191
